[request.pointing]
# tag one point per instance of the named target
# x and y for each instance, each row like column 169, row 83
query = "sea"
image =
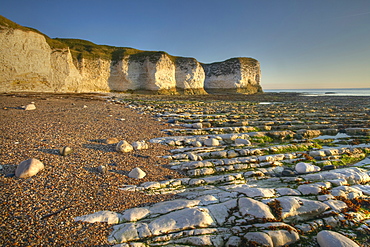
column 325, row 92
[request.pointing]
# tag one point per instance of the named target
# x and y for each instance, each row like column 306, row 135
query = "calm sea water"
column 326, row 92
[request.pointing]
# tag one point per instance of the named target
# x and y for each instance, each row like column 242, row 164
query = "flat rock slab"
column 101, row 216
column 184, row 219
column 255, row 209
column 300, row 209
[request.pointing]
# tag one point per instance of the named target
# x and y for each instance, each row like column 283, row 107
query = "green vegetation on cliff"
column 6, row 23
column 88, row 50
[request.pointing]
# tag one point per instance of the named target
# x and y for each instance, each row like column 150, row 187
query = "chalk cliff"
column 241, row 75
column 31, row 61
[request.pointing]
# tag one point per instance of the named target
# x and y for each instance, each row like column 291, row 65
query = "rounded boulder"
column 29, row 168
column 333, row 239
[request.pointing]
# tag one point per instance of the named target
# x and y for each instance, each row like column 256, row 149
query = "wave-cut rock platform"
column 255, row 174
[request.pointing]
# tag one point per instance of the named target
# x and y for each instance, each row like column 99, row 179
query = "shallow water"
column 325, row 92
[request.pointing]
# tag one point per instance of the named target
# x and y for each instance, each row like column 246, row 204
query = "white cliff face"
column 234, row 74
column 25, row 61
column 28, row 63
column 250, row 72
column 119, row 78
column 151, row 72
column 222, row 75
column 94, row 74
column 65, row 76
column 189, row 74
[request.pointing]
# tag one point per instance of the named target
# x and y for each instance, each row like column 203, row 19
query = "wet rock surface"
column 255, row 180
column 229, row 181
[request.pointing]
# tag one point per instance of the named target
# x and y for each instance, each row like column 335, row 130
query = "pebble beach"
column 233, row 147
column 40, row 211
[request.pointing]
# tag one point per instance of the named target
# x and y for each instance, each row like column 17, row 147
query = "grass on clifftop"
column 88, row 50
column 54, row 44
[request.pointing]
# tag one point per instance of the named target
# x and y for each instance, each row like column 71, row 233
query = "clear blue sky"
column 299, row 43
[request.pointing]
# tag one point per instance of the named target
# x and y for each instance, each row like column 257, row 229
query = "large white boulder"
column 29, row 168
column 333, row 239
column 124, row 147
column 137, row 173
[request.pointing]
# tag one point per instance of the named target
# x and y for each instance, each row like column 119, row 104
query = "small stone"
column 329, row 167
column 111, row 140
column 30, row 107
column 197, row 125
column 206, row 125
column 64, row 151
column 211, row 142
column 333, row 239
column 303, row 168
column 242, row 142
column 192, row 156
column 196, row 144
column 29, row 168
column 124, row 147
column 137, row 173
column 140, row 145
column 288, row 173
column 102, row 169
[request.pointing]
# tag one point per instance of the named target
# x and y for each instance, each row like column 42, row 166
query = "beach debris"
column 124, row 147
column 64, row 151
column 29, row 168
column 137, row 173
